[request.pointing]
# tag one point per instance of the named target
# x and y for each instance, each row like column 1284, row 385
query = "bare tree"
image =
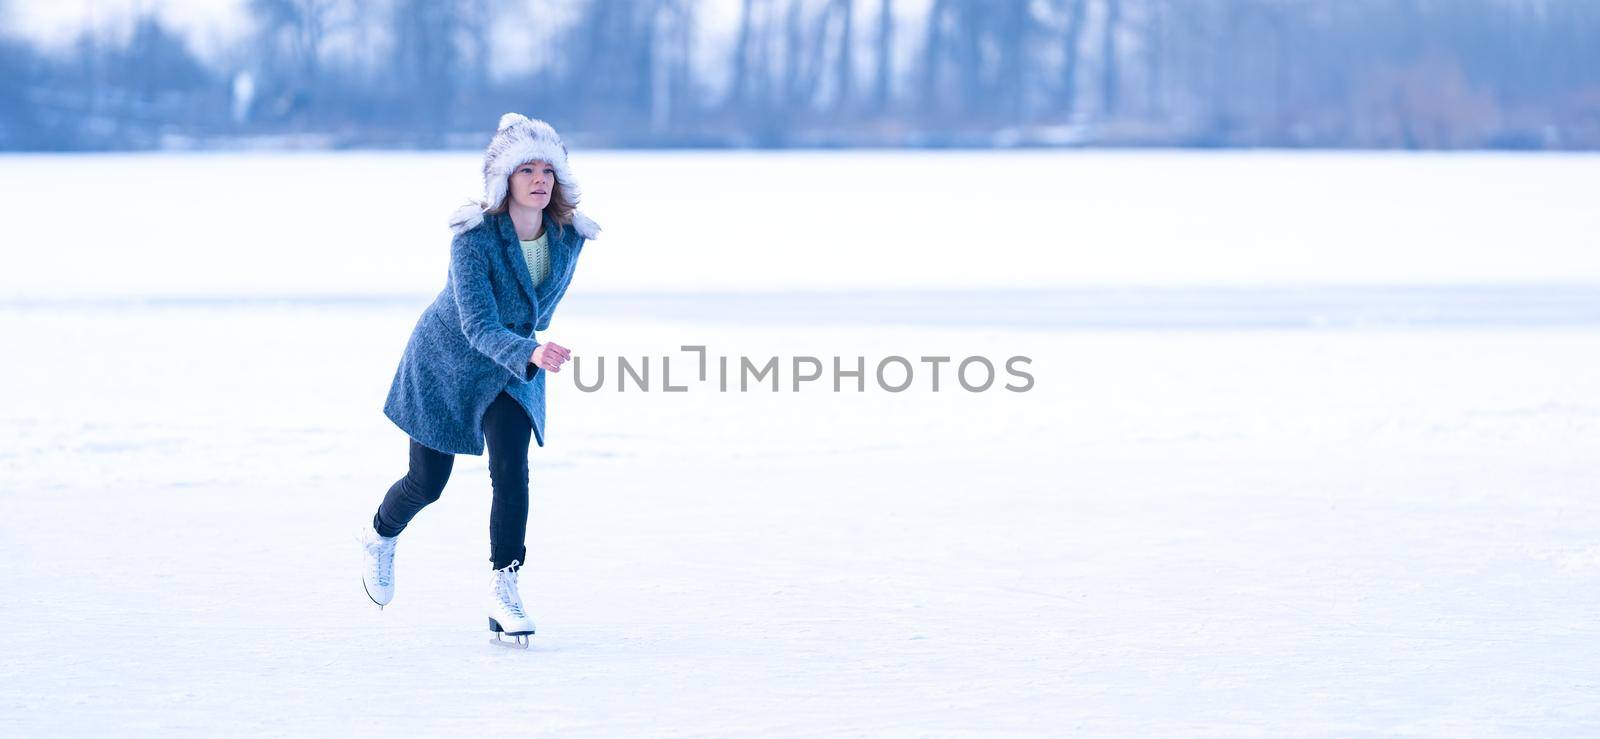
column 739, row 85
column 299, row 25
column 477, row 21
column 885, row 57
column 844, row 64
column 1077, row 17
column 425, row 60
column 1109, row 63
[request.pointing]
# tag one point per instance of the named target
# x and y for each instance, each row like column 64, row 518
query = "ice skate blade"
column 519, row 638
column 521, row 642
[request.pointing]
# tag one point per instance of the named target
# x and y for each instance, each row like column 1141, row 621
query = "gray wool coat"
column 477, row 336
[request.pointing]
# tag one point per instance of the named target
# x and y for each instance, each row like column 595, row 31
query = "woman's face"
column 530, row 184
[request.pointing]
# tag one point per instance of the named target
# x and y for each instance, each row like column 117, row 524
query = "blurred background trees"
column 1212, row 73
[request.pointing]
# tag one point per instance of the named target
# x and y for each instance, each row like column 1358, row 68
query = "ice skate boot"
column 377, row 565
column 506, row 615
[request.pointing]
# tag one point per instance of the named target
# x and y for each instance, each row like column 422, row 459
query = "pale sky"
column 213, row 27
column 210, row 25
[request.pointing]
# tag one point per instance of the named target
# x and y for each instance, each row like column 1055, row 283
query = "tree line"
column 1201, row 73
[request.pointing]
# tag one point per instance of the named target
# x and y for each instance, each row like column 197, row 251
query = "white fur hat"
column 520, row 140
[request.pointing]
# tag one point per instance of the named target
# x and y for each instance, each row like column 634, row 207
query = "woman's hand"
column 549, row 356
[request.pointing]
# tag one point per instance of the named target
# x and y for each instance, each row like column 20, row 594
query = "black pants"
column 507, row 431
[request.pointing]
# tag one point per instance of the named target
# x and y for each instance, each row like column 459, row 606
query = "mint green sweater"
column 537, row 255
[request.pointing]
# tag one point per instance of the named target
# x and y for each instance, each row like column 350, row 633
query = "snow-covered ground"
column 373, row 223
column 1238, row 499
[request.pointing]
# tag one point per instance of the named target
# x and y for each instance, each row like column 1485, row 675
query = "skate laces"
column 505, row 589
column 382, row 549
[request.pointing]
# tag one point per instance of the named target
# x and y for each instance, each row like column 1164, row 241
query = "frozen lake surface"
column 1249, row 498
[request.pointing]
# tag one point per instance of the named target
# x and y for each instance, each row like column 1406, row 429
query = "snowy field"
column 1313, row 449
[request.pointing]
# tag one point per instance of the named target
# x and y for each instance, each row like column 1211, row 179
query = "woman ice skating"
column 473, row 372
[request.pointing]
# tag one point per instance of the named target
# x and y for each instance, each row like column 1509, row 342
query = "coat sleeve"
column 480, row 319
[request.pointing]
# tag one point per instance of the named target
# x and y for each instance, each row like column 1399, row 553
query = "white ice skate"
column 506, row 615
column 377, row 565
